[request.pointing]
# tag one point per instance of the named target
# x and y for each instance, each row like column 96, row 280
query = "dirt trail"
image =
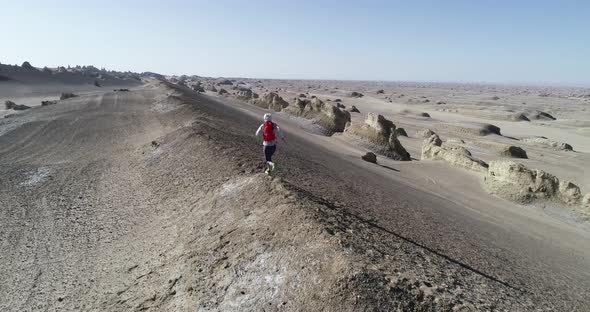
column 134, row 201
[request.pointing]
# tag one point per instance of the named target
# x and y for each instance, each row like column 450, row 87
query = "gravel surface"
column 110, row 204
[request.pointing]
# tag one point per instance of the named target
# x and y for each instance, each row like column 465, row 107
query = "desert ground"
column 155, row 199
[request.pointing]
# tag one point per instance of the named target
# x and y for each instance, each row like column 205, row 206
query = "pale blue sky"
column 537, row 42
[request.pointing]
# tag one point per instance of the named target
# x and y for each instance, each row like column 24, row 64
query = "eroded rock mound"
column 14, row 106
column 516, row 182
column 327, row 115
column 67, row 95
column 396, row 149
column 353, row 109
column 222, row 91
column 272, row 101
column 48, row 102
column 473, row 128
column 9, row 104
column 379, row 132
column 433, row 149
column 518, row 117
column 513, row 151
column 27, row 65
column 355, row 94
column 380, row 124
column 415, row 113
column 370, row 157
column 502, row 149
column 543, row 141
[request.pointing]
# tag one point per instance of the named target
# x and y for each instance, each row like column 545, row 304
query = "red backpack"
column 269, row 131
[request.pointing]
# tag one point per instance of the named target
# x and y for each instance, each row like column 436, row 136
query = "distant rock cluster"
column 271, row 100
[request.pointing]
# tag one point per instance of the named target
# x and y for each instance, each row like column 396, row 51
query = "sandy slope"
column 154, row 199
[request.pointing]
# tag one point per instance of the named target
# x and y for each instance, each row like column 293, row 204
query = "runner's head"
column 267, row 117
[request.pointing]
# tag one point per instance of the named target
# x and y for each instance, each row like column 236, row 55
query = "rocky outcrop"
column 27, row 65
column 380, row 124
column 396, row 150
column 222, row 91
column 513, row 151
column 380, row 91
column 48, row 102
column 433, row 149
column 472, row 128
column 516, row 182
column 379, row 133
column 245, row 94
column 9, row 104
column 355, row 94
column 370, row 157
column 327, row 115
column 425, row 133
column 569, row 193
column 543, row 141
column 271, row 100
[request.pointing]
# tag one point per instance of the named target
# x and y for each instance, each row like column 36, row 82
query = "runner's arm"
column 259, row 131
column 280, row 132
